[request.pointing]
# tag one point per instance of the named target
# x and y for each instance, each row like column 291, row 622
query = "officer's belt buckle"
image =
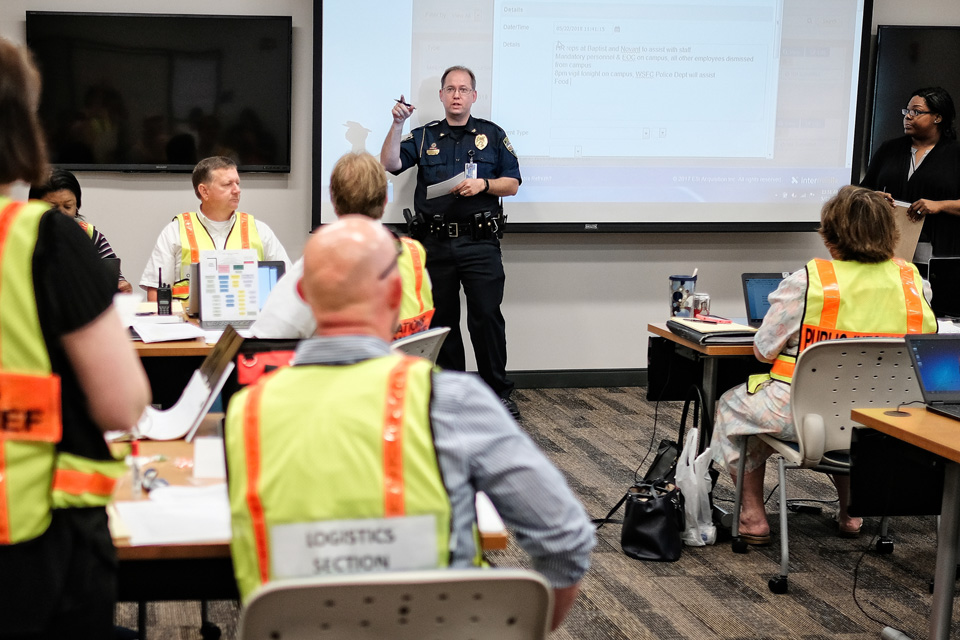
column 453, row 230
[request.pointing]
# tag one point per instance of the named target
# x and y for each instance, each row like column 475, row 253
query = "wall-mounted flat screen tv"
column 151, row 92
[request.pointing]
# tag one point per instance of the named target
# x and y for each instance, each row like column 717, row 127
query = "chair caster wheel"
column 738, row 545
column 778, row 584
column 884, row 546
column 209, row 631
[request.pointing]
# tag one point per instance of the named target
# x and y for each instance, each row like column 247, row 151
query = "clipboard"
column 909, row 231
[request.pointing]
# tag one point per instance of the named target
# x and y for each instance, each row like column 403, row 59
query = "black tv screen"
column 910, row 58
column 151, row 92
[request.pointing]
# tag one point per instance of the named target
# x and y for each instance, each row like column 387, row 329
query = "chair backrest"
column 424, row 344
column 494, row 604
column 834, row 376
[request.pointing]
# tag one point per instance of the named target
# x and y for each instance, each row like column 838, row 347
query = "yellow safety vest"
column 243, row 235
column 324, row 445
column 34, row 477
column 847, row 299
column 416, row 304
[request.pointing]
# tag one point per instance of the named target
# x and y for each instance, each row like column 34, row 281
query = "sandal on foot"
column 756, row 541
column 850, row 533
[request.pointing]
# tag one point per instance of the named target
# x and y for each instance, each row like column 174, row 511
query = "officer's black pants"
column 478, row 265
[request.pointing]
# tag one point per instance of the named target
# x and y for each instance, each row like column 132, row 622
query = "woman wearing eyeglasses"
column 923, row 168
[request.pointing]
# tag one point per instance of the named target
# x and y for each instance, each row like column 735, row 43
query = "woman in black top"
column 923, row 168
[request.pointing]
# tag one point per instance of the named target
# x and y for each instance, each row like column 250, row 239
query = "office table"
column 710, row 355
column 939, row 435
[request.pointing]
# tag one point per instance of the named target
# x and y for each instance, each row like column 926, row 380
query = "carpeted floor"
column 598, row 437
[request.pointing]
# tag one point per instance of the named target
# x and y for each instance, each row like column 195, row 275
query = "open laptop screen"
column 269, row 272
column 936, row 359
column 756, row 288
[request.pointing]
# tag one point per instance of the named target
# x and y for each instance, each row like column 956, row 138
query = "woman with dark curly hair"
column 923, row 169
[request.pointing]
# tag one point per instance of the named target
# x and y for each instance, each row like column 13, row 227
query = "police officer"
column 461, row 230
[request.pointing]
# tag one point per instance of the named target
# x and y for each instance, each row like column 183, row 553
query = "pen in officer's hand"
column 402, row 102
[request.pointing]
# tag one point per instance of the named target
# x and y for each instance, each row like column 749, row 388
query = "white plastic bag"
column 694, row 482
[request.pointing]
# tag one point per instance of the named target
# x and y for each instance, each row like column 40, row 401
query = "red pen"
column 711, row 319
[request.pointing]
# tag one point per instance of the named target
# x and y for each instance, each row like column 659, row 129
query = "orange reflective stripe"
column 251, row 437
column 911, row 296
column 831, row 294
column 393, row 498
column 191, row 237
column 783, row 368
column 7, row 216
column 77, row 482
column 417, row 268
column 180, row 289
column 244, row 231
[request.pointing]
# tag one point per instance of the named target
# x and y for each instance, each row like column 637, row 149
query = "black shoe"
column 511, row 406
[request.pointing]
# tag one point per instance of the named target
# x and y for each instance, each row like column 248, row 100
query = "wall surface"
column 571, row 302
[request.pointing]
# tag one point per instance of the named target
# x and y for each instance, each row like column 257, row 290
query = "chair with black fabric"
column 831, row 378
column 483, row 604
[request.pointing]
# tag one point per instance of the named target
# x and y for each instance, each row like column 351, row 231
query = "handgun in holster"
column 416, row 225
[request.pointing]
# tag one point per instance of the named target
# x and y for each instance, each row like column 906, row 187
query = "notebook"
column 936, row 359
column 756, row 288
column 944, row 277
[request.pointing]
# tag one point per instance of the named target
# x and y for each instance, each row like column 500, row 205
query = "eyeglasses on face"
column 393, row 264
column 463, row 91
column 913, row 113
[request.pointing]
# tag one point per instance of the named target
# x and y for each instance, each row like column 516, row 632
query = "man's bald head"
column 358, row 184
column 350, row 278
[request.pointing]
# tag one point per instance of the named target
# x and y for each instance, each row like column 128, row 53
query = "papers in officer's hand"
column 909, row 231
column 178, row 515
column 153, row 332
column 443, row 188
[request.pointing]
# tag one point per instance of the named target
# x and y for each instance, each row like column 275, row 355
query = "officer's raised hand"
column 401, row 111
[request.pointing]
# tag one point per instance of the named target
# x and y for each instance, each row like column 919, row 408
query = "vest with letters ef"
column 195, row 238
column 327, row 464
column 847, row 299
column 34, row 476
column 416, row 305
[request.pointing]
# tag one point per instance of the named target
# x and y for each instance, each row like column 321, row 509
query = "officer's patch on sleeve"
column 409, row 136
column 506, row 143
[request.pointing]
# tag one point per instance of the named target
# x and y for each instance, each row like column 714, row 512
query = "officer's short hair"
column 24, row 154
column 473, row 78
column 358, row 184
column 202, row 173
column 858, row 224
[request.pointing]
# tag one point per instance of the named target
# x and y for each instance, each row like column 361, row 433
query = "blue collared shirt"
column 481, row 448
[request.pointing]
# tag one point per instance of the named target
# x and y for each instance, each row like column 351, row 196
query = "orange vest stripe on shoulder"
column 251, row 434
column 191, row 237
column 417, row 268
column 393, row 490
column 912, row 297
column 831, row 294
column 244, row 230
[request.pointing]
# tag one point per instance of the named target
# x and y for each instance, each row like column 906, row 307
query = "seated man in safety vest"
column 217, row 225
column 358, row 184
column 357, row 459
column 863, row 291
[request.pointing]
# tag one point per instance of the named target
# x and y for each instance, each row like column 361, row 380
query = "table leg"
column 941, row 608
column 141, row 620
column 709, row 397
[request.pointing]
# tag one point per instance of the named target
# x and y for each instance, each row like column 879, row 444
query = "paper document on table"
column 153, row 332
column 909, row 231
column 443, row 188
column 178, row 515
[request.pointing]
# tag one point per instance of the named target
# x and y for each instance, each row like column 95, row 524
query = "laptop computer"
column 268, row 272
column 944, row 276
column 936, row 359
column 756, row 288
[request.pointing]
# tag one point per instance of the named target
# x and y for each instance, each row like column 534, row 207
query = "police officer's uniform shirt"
column 440, row 155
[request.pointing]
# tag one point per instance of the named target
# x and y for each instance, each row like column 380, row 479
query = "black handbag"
column 652, row 522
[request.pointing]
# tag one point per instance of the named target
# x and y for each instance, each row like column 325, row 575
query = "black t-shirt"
column 69, row 569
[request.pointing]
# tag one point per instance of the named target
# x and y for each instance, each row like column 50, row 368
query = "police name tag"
column 353, row 546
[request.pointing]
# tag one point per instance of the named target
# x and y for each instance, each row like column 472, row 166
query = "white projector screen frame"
column 630, row 115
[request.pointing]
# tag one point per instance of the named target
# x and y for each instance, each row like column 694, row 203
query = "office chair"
column 830, row 379
column 423, row 344
column 483, row 604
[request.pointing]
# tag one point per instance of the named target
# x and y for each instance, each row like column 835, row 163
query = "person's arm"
column 390, row 152
column 924, row 207
column 782, row 321
column 479, row 443
column 108, row 371
column 498, row 186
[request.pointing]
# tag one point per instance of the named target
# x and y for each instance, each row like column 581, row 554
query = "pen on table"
column 398, row 100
